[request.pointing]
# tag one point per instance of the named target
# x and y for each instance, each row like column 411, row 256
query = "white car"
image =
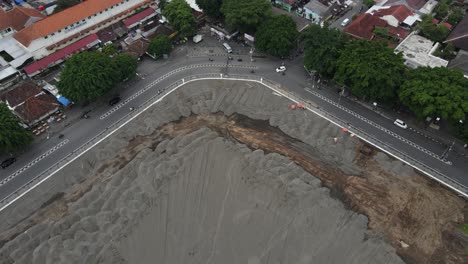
column 345, row 22
column 400, row 123
column 281, row 69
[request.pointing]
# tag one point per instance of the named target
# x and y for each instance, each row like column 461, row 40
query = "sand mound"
column 156, row 194
column 202, row 199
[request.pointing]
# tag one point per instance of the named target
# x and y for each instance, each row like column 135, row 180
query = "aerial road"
column 154, row 76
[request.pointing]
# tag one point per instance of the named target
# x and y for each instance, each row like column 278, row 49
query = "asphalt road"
column 193, row 59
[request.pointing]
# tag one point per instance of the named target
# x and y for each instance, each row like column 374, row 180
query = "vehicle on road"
column 227, row 47
column 8, row 162
column 400, row 123
column 281, row 69
column 114, row 101
column 197, row 38
column 345, row 22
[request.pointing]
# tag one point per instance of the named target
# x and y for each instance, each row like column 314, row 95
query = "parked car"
column 400, row 123
column 281, row 69
column 114, row 101
column 8, row 162
column 345, row 22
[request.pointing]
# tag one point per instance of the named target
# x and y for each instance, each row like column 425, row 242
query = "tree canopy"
column 109, row 49
column 277, row 35
column 126, row 66
column 440, row 92
column 211, row 8
column 456, row 15
column 12, row 136
column 64, row 4
column 434, row 32
column 368, row 3
column 160, row 45
column 322, row 49
column 442, row 9
column 246, row 15
column 179, row 14
column 371, row 70
column 87, row 75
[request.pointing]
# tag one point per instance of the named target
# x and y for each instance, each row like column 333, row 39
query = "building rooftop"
column 62, row 19
column 135, row 19
column 417, row 51
column 460, row 62
column 18, row 18
column 317, row 7
column 459, row 36
column 400, row 12
column 43, row 63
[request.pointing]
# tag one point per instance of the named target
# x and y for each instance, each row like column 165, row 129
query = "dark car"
column 114, row 101
column 8, row 162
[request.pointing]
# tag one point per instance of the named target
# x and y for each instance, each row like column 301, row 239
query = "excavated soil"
column 221, row 181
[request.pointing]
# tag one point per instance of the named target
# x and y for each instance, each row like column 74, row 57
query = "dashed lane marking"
column 328, row 100
column 147, row 87
column 36, row 160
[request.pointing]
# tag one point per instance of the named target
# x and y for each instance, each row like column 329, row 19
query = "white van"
column 345, row 22
column 227, row 47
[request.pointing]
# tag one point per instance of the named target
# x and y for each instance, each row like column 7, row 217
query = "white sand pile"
column 202, row 199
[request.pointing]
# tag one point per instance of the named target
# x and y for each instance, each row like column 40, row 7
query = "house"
column 394, row 15
column 12, row 56
column 286, row 4
column 363, row 27
column 459, row 35
column 137, row 48
column 417, row 51
column 30, row 103
column 16, row 19
column 316, row 11
column 58, row 30
column 417, row 6
column 460, row 62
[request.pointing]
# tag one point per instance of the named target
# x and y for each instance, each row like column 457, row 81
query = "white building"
column 417, row 51
column 58, row 30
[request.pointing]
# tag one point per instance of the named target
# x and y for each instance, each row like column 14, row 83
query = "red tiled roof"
column 36, row 108
column 18, row 17
column 400, row 12
column 414, row 4
column 138, row 17
column 290, row 2
column 20, row 94
column 447, row 25
column 62, row 19
column 61, row 54
column 363, row 26
column 401, row 33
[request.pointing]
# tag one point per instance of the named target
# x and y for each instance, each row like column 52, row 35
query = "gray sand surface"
column 203, row 199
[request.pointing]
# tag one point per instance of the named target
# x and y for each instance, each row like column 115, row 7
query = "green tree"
column 162, row 4
column 277, row 36
column 160, row 45
column 109, row 49
column 368, row 3
column 12, row 136
column 432, row 31
column 434, row 92
column 381, row 32
column 441, row 10
column 211, row 8
column 126, row 66
column 64, row 4
column 179, row 14
column 246, row 15
column 455, row 16
column 87, row 75
column 322, row 49
column 371, row 70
